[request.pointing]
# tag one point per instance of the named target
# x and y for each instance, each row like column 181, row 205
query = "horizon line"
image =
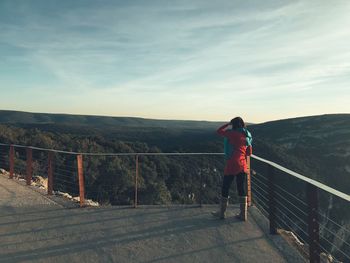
column 165, row 119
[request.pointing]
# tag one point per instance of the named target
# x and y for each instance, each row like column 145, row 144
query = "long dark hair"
column 237, row 123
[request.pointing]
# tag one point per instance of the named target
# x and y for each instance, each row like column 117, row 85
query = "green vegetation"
column 318, row 147
column 110, row 180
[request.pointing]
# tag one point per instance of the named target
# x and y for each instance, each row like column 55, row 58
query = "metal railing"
column 288, row 199
column 71, row 172
column 304, row 206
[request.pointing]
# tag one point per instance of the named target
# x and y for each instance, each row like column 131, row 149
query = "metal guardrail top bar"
column 107, row 154
column 277, row 166
column 305, row 179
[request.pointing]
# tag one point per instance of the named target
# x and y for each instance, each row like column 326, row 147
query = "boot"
column 223, row 206
column 243, row 208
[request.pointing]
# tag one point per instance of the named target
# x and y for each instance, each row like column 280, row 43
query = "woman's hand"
column 222, row 129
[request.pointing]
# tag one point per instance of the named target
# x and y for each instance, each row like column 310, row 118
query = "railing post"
column 136, row 179
column 12, row 161
column 313, row 224
column 29, row 169
column 272, row 202
column 81, row 180
column 249, row 186
column 50, row 174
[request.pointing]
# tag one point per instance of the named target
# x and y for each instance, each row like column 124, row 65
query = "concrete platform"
column 34, row 228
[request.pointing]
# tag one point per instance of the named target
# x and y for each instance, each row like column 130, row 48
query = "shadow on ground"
column 47, row 232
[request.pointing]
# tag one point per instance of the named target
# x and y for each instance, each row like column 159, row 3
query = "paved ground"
column 36, row 229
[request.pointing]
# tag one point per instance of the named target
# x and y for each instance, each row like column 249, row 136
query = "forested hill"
column 98, row 122
column 319, row 144
column 166, row 135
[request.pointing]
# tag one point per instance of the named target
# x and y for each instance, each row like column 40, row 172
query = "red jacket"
column 238, row 161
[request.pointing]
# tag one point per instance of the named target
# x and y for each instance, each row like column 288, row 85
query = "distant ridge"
column 319, row 124
column 320, row 143
column 20, row 117
column 321, row 117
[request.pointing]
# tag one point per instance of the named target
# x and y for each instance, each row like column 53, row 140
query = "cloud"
column 225, row 52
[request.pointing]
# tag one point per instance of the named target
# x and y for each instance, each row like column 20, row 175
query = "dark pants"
column 241, row 181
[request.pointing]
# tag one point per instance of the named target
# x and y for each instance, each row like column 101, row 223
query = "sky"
column 192, row 60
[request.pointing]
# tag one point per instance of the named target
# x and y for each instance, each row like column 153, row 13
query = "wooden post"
column 136, row 179
column 29, row 165
column 50, row 174
column 313, row 224
column 81, row 180
column 249, row 186
column 272, row 203
column 12, row 161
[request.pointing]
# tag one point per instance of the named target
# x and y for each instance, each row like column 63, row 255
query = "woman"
column 237, row 146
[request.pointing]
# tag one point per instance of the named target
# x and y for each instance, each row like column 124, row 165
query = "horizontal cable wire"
column 282, row 197
column 260, row 182
column 337, row 224
column 69, row 175
column 66, row 165
column 262, row 190
column 281, row 205
column 291, row 195
column 259, row 194
column 328, row 253
column 65, row 182
column 64, row 171
column 67, row 179
column 262, row 209
column 66, row 187
column 261, row 203
column 261, row 179
column 60, row 183
column 290, row 220
column 70, row 186
column 256, row 182
column 286, row 226
column 335, row 235
column 333, row 246
column 64, row 177
column 261, row 197
column 255, row 190
column 260, row 175
column 257, row 178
